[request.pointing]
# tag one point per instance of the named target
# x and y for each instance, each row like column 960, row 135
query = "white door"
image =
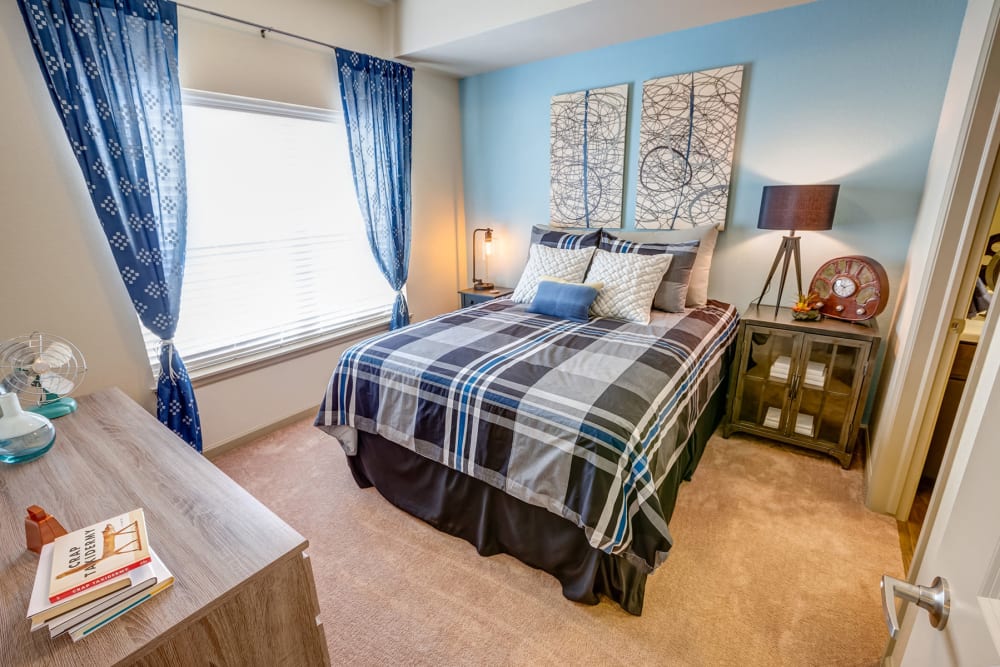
column 963, row 545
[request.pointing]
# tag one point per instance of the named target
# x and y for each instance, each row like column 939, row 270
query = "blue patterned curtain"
column 378, row 105
column 111, row 69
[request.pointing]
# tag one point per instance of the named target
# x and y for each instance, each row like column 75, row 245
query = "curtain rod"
column 263, row 28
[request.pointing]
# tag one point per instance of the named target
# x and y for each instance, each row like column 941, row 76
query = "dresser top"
column 765, row 316
column 109, row 457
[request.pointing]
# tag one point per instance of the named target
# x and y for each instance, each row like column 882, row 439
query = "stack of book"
column 90, row 577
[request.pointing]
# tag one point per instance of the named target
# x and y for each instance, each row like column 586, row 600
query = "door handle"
column 935, row 599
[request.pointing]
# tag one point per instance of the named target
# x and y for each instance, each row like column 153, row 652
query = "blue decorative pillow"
column 567, row 239
column 568, row 301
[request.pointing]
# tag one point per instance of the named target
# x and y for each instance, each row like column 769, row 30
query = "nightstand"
column 471, row 297
column 802, row 383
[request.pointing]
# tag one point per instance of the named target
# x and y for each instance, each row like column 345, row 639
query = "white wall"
column 428, row 23
column 56, row 272
column 437, row 253
column 467, row 38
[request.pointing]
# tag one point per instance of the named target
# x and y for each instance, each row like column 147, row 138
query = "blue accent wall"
column 835, row 91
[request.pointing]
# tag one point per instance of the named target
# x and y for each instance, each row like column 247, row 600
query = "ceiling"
column 466, row 38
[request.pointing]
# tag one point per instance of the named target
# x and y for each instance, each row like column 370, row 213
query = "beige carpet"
column 775, row 562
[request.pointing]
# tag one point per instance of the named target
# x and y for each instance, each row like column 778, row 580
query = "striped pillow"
column 672, row 292
column 568, row 239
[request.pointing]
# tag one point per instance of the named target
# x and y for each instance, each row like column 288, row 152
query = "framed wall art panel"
column 686, row 140
column 588, row 157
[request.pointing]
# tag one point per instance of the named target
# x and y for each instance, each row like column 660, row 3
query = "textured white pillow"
column 697, row 293
column 569, row 265
column 553, row 279
column 630, row 281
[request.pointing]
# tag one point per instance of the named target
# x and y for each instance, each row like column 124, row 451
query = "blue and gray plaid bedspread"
column 584, row 419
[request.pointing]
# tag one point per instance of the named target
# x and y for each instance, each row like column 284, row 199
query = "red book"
column 98, row 553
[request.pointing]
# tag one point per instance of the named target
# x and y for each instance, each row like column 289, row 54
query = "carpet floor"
column 776, row 561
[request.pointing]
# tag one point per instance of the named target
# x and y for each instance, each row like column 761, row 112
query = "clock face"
column 844, row 286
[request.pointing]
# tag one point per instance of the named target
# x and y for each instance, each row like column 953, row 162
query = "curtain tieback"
column 169, row 344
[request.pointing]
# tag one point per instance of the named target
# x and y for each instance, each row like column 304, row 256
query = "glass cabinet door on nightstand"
column 826, row 389
column 769, row 365
column 801, row 383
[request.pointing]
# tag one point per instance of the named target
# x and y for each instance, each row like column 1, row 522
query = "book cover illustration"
column 98, row 553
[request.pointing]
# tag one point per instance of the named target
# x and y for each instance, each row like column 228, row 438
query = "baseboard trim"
column 866, row 441
column 249, row 436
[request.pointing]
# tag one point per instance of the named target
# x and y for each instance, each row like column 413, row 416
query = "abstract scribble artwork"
column 686, row 140
column 588, row 157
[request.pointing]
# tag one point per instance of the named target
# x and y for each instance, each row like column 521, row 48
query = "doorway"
column 987, row 258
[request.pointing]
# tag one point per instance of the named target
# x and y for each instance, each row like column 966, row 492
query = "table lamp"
column 478, row 283
column 794, row 208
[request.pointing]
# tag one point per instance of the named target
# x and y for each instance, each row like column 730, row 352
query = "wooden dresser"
column 243, row 591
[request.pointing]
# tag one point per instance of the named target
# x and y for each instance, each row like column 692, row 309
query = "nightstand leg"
column 845, row 460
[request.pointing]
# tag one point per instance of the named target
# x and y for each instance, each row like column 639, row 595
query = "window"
column 277, row 254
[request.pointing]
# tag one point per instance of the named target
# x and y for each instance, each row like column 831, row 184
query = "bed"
column 561, row 443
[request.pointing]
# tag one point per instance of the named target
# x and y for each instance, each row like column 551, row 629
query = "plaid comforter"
column 584, row 419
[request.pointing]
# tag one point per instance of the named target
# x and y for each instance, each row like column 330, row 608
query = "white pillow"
column 543, row 261
column 553, row 279
column 697, row 294
column 630, row 281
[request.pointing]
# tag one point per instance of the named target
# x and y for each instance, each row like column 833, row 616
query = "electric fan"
column 37, row 372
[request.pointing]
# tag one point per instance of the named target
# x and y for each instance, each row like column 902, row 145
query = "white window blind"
column 277, row 254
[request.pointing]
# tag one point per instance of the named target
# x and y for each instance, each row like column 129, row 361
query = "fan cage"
column 40, row 368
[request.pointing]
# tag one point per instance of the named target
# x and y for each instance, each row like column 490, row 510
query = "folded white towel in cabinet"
column 773, row 418
column 816, row 377
column 804, row 425
column 780, row 368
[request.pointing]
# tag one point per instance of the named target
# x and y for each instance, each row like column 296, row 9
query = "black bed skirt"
column 495, row 522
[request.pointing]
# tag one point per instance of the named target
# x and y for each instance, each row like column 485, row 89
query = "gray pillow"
column 567, row 239
column 671, row 295
column 708, row 234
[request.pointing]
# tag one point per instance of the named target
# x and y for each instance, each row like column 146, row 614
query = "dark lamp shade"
column 798, row 207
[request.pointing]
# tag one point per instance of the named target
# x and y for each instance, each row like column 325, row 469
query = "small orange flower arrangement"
column 807, row 307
